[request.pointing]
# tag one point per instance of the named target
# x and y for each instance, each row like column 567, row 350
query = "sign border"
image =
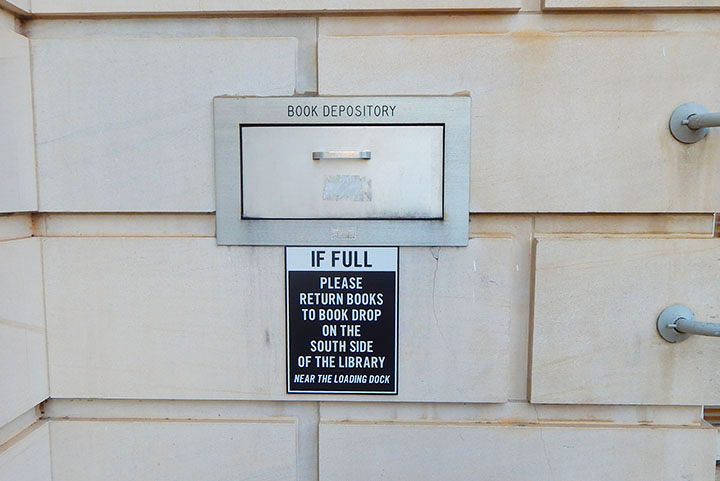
column 397, row 325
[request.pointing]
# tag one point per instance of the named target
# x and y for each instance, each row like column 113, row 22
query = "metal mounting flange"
column 667, row 320
column 679, row 123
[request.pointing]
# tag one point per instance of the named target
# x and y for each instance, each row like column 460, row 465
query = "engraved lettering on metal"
column 343, row 234
column 349, row 110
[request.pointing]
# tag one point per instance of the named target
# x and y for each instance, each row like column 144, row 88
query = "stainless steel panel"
column 452, row 113
column 282, row 180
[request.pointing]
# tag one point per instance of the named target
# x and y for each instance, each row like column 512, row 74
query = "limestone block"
column 27, row 458
column 681, row 225
column 19, row 6
column 276, row 6
column 23, row 360
column 305, row 414
column 174, row 450
column 521, row 230
column 186, row 319
column 630, row 4
column 135, row 133
column 594, row 329
column 124, row 225
column 18, row 192
column 7, row 19
column 558, row 124
column 459, row 451
column 231, row 27
column 15, row 226
column 23, row 370
column 516, row 412
column 21, row 290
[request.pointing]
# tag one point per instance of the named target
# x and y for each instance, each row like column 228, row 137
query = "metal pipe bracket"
column 691, row 122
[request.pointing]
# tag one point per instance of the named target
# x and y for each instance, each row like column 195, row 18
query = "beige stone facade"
column 133, row 347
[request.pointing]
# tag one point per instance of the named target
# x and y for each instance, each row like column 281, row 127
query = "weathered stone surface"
column 27, row 458
column 516, row 412
column 521, row 230
column 22, row 6
column 23, row 360
column 15, row 226
column 659, row 224
column 466, row 451
column 21, row 289
column 186, row 319
column 124, row 225
column 595, row 338
column 23, row 370
column 558, row 125
column 302, row 29
column 630, row 4
column 135, row 134
column 179, row 451
column 18, row 192
column 228, row 6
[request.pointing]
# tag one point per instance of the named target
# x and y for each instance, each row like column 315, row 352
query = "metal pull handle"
column 342, row 155
column 677, row 322
column 690, row 122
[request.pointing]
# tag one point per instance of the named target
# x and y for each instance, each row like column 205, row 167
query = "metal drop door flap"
column 397, row 175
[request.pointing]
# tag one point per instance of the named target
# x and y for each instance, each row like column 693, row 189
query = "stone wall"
column 132, row 347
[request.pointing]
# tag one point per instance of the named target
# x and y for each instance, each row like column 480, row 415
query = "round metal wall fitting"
column 682, row 132
column 669, row 316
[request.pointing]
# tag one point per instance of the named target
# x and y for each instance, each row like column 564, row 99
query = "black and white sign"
column 342, row 319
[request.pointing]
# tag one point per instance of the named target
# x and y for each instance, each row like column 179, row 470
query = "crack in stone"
column 544, row 446
column 435, row 252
